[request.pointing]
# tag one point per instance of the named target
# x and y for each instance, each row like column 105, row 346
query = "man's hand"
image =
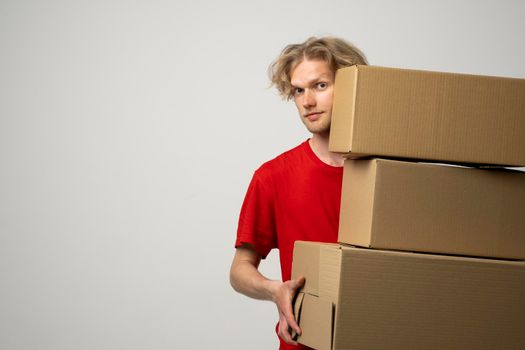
column 246, row 279
column 283, row 296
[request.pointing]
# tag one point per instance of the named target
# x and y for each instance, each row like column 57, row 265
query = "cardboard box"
column 434, row 208
column 401, row 113
column 358, row 298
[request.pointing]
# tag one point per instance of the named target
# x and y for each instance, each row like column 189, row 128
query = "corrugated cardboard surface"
column 433, row 208
column 401, row 300
column 401, row 113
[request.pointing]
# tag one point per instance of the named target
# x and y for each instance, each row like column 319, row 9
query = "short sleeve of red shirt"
column 257, row 218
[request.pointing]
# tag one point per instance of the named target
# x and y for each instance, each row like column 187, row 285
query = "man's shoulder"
column 284, row 160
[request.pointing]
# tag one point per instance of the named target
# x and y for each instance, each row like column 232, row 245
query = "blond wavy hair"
column 337, row 52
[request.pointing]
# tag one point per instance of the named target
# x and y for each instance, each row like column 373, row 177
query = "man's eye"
column 298, row 91
column 322, row 85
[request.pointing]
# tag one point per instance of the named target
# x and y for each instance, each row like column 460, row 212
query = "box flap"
column 315, row 319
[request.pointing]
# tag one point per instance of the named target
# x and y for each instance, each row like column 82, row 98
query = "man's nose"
column 308, row 98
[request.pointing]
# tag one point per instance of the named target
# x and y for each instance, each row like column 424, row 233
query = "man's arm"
column 246, row 279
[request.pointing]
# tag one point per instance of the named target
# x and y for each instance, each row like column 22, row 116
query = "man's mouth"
column 313, row 115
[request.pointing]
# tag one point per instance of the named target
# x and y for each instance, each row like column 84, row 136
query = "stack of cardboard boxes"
column 430, row 254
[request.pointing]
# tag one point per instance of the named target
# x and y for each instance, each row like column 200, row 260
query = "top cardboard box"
column 446, row 117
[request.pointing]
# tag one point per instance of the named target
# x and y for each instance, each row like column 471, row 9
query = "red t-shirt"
column 295, row 196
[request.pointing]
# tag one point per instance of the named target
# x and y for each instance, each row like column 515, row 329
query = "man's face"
column 313, row 88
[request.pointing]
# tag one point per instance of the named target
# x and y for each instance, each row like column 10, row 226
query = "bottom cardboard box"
column 359, row 298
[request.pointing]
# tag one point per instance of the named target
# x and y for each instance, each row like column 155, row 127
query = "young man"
column 295, row 196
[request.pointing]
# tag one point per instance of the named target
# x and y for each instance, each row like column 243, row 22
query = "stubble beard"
column 320, row 126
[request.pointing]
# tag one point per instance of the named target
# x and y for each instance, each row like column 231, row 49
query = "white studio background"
column 129, row 131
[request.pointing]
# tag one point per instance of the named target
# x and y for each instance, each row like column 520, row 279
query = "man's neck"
column 319, row 144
